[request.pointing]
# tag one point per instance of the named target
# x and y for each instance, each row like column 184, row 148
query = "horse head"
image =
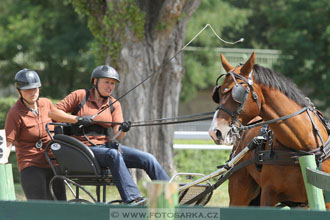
column 238, row 101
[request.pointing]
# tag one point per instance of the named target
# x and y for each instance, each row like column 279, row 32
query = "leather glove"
column 84, row 120
column 125, row 126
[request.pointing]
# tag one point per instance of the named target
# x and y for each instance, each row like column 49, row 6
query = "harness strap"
column 273, row 120
column 82, row 103
column 84, row 100
column 315, row 127
column 221, row 107
column 279, row 157
column 289, row 156
column 322, row 153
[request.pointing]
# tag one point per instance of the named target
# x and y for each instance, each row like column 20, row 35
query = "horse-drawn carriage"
column 75, row 164
column 263, row 167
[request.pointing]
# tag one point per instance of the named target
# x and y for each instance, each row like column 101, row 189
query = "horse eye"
column 225, row 89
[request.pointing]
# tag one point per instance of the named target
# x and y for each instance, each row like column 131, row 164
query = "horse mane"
column 268, row 77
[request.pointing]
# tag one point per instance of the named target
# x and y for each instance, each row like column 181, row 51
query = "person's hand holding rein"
column 125, row 126
column 84, row 120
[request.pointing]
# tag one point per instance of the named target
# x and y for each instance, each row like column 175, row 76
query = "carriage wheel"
column 186, row 196
column 67, row 181
column 115, row 201
column 82, row 201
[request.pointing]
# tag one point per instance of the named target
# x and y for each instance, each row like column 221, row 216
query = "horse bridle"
column 239, row 94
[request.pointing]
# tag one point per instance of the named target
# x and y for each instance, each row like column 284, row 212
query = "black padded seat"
column 74, row 157
column 76, row 162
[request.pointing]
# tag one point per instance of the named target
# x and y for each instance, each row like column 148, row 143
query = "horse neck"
column 296, row 132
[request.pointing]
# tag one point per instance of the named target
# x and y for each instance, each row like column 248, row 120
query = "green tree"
column 304, row 37
column 47, row 36
column 257, row 29
column 301, row 30
column 138, row 38
column 202, row 66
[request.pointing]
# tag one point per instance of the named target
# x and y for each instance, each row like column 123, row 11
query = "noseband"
column 239, row 94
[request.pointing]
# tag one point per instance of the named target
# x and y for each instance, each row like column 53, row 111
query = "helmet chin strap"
column 98, row 91
column 24, row 100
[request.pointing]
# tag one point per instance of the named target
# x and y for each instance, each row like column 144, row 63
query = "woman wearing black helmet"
column 82, row 105
column 25, row 129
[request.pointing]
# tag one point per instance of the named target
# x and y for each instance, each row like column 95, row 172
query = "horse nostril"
column 218, row 134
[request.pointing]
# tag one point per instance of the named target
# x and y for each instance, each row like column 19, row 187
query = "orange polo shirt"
column 92, row 107
column 24, row 129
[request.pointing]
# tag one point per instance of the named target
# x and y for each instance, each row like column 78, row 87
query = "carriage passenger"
column 79, row 107
column 25, row 128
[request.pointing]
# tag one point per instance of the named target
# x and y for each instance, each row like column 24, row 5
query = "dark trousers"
column 35, row 184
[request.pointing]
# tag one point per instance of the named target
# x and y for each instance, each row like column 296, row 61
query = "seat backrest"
column 73, row 157
column 63, row 129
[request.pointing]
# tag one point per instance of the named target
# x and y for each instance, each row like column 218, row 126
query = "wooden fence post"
column 7, row 187
column 314, row 194
column 162, row 196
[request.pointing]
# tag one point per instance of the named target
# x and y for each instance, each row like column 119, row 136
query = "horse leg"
column 242, row 189
column 269, row 196
column 272, row 183
column 256, row 200
column 281, row 183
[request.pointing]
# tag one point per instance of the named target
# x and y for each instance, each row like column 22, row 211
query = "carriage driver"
column 25, row 128
column 78, row 108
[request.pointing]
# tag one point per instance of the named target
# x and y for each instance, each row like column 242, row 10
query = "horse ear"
column 226, row 65
column 247, row 67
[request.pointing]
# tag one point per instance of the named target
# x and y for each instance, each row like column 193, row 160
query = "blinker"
column 215, row 94
column 239, row 93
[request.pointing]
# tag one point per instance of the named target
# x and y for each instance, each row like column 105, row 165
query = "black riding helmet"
column 27, row 79
column 104, row 71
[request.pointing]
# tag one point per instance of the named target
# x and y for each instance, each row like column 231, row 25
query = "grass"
column 179, row 141
column 185, row 161
column 219, row 197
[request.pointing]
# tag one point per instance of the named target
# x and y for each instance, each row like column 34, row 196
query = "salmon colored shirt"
column 92, row 107
column 24, row 129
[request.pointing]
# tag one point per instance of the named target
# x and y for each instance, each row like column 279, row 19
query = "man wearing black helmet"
column 25, row 128
column 79, row 108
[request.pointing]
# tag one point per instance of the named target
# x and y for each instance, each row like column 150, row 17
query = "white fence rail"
column 196, row 135
column 192, row 135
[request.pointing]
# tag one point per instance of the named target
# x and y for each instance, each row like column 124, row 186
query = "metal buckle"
column 258, row 139
column 260, row 157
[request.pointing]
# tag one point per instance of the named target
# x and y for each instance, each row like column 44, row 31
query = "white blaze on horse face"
column 220, row 131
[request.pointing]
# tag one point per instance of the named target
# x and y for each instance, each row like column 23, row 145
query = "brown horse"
column 249, row 91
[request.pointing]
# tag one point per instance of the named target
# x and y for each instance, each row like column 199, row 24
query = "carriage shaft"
column 221, row 171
